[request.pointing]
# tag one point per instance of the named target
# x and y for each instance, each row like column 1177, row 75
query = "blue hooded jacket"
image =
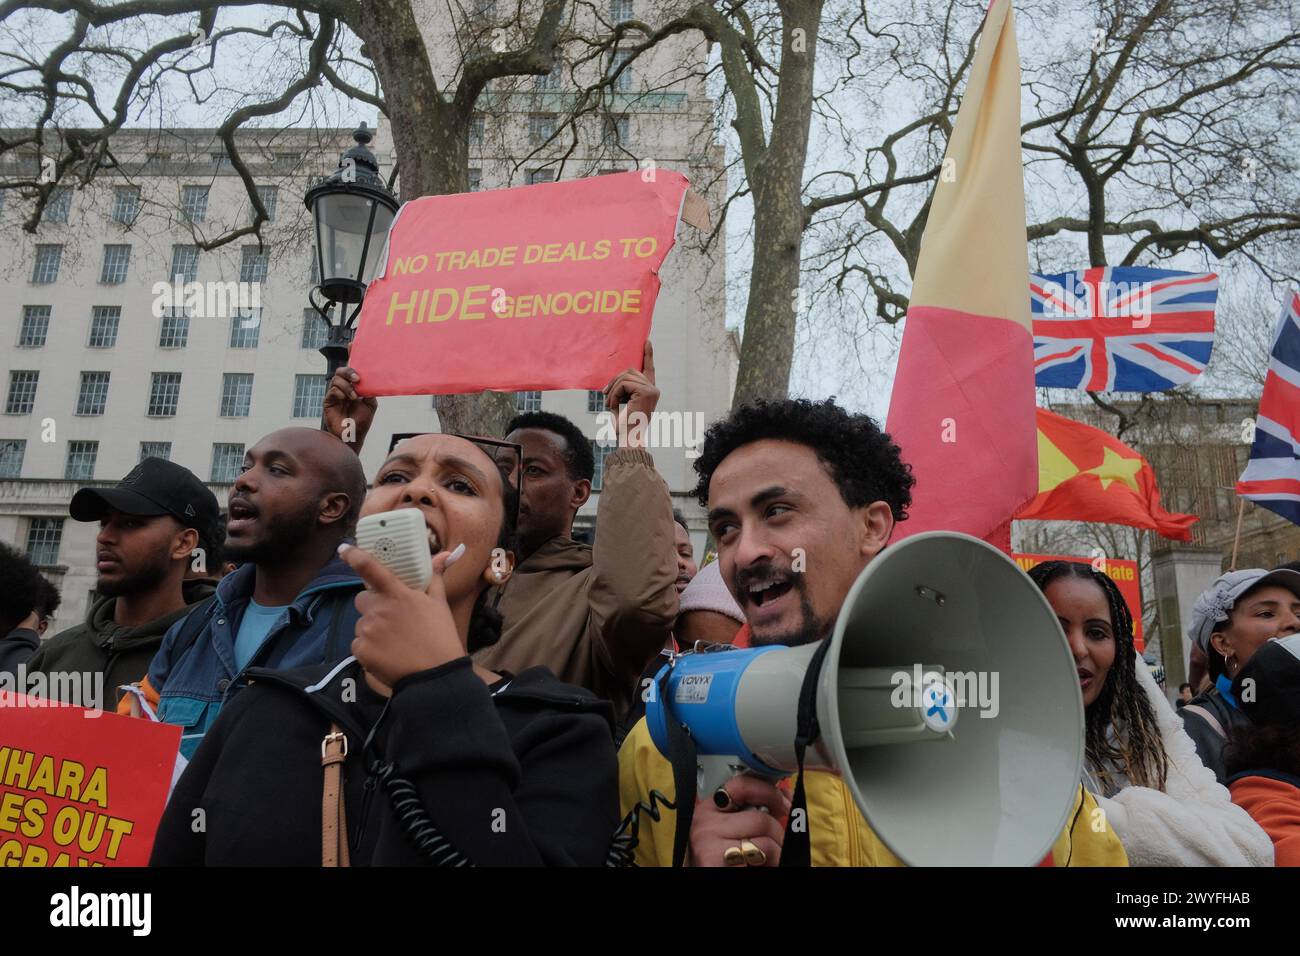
column 194, row 671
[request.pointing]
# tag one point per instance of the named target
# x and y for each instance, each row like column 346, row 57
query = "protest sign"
column 1123, row 573
column 80, row 788
column 539, row 287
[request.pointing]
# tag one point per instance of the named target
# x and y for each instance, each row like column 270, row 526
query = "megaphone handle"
column 714, row 771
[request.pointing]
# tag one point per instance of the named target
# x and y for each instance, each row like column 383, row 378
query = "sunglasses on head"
column 507, row 456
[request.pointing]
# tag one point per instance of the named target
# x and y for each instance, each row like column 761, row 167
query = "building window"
column 549, row 81
column 477, row 128
column 599, row 451
column 620, row 10
column 43, row 537
column 616, row 129
column 244, row 327
column 164, row 394
column 185, row 264
column 175, row 329
column 595, row 401
column 156, row 449
column 541, row 127
column 93, row 394
column 315, row 333
column 252, row 265
column 528, row 401
column 22, row 393
column 11, row 457
column 104, row 320
column 36, row 325
column 126, row 204
column 308, row 395
column 475, row 180
column 270, row 196
column 46, row 268
column 81, row 460
column 236, row 394
column 623, row 82
column 536, row 176
column 116, row 260
column 226, row 462
column 58, row 205
column 194, row 203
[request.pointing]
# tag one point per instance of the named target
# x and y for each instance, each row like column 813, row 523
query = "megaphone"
column 948, row 701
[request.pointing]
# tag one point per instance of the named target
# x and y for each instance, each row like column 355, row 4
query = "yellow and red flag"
column 962, row 409
column 1085, row 474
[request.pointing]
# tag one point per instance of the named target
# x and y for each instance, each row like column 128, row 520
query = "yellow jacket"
column 840, row 836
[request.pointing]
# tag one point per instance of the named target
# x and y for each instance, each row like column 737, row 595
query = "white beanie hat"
column 706, row 592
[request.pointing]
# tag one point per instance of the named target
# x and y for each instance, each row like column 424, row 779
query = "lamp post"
column 353, row 211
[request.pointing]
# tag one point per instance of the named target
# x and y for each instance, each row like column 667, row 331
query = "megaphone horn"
column 947, row 700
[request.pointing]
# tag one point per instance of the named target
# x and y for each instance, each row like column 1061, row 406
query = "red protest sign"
column 1123, row 573
column 539, row 287
column 80, row 787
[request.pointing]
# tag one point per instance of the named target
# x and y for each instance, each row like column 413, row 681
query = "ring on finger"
column 753, row 855
column 734, row 856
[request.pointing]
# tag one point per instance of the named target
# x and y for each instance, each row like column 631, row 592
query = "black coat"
column 523, row 773
column 1209, row 742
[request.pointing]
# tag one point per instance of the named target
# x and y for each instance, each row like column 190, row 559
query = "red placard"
column 80, row 787
column 1124, row 573
column 539, row 287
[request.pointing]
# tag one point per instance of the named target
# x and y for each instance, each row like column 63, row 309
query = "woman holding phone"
column 442, row 762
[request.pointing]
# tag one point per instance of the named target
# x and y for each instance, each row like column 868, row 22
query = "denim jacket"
column 194, row 682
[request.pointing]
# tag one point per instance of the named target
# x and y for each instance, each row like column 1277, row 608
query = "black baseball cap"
column 153, row 487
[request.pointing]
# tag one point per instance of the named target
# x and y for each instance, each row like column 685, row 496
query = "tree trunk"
column 431, row 143
column 767, row 350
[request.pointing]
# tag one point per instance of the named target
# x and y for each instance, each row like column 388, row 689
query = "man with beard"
column 801, row 496
column 149, row 524
column 290, row 602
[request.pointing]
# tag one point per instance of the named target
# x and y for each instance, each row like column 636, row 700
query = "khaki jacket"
column 596, row 616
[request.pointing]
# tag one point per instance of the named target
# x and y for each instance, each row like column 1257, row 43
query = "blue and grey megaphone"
column 948, row 701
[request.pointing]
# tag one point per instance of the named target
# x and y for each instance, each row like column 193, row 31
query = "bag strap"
column 1208, row 717
column 334, row 826
column 796, row 845
column 682, row 759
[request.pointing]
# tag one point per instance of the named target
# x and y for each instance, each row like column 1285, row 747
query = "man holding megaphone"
column 801, row 497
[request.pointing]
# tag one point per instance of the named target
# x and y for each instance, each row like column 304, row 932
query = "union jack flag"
column 1121, row 328
column 1272, row 476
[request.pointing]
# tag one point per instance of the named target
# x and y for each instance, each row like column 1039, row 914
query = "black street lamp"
column 353, row 211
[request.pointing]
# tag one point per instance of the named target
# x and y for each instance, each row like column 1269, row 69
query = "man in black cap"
column 149, row 527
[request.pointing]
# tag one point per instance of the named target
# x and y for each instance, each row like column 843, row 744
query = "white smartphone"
column 400, row 539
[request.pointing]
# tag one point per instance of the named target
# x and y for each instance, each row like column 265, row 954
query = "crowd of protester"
column 497, row 717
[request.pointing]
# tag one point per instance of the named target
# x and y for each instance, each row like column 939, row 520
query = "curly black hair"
column 23, row 589
column 577, row 456
column 861, row 459
column 1137, row 744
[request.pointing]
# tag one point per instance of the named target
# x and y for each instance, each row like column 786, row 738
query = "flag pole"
column 1236, row 538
